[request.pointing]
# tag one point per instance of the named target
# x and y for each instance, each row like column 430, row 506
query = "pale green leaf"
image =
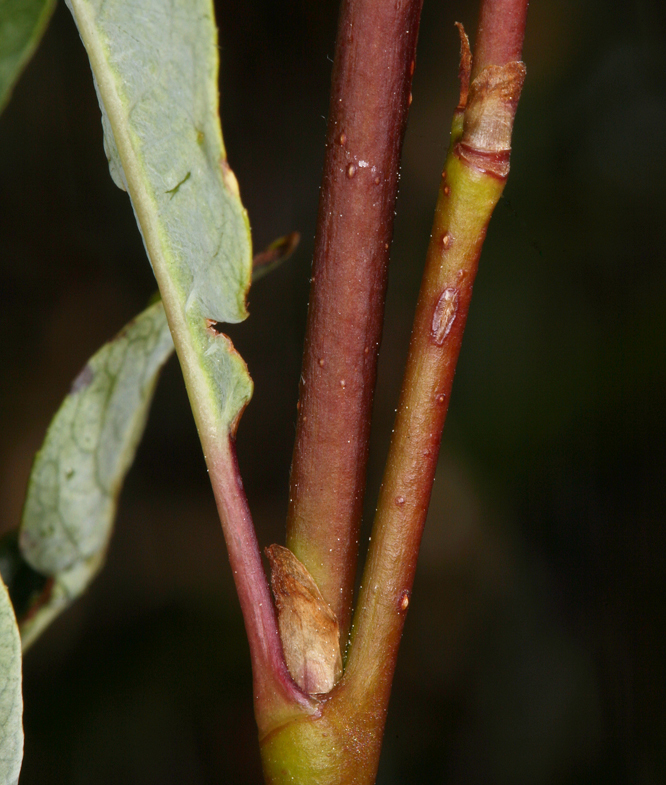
column 155, row 66
column 22, row 23
column 90, row 445
column 11, row 700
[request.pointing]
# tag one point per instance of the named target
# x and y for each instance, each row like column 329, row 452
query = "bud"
column 308, row 627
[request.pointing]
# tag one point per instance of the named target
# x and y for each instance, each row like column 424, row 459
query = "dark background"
column 534, row 648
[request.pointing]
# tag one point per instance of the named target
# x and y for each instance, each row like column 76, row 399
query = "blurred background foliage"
column 535, row 645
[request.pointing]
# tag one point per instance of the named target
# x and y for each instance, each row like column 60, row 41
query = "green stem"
column 472, row 182
column 466, row 200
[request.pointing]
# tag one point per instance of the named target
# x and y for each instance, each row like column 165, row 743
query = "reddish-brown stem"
column 371, row 93
column 499, row 36
column 276, row 696
column 472, row 183
column 341, row 743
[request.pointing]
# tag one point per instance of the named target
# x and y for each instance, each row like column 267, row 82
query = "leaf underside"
column 78, row 474
column 155, row 66
column 11, row 700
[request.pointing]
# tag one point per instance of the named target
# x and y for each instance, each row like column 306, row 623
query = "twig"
column 472, row 182
column 371, row 93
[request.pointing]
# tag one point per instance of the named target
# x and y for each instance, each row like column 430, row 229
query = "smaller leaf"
column 22, row 24
column 11, row 700
column 276, row 253
column 309, row 629
column 78, row 474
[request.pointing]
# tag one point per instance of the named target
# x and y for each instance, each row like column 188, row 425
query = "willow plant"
column 322, row 663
